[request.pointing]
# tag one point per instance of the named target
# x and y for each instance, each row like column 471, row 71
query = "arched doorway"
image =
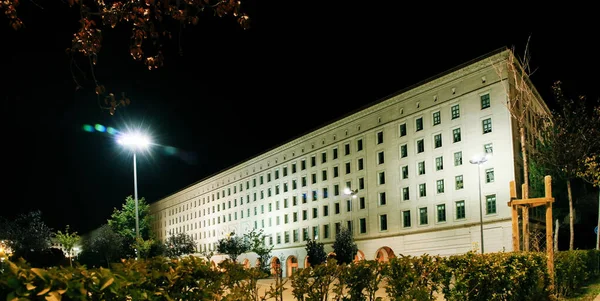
column 359, row 256
column 384, row 254
column 292, row 265
column 275, row 266
column 257, row 263
column 306, row 264
column 246, row 263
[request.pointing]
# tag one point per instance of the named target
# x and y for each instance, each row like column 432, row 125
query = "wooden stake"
column 525, row 212
column 549, row 242
column 515, row 217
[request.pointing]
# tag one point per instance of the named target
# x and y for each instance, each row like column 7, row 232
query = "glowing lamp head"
column 347, row 190
column 480, row 159
column 134, row 140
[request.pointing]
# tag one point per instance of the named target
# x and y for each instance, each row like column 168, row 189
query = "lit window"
column 485, row 101
column 436, row 118
column 490, row 201
column 455, row 110
column 459, row 182
column 441, row 213
column 487, row 125
column 456, row 137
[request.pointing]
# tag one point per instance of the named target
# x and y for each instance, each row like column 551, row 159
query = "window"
column 304, row 198
column 441, row 213
column 457, row 158
column 423, row 216
column 325, row 210
column 336, row 208
column 361, row 183
column 314, row 195
column 382, row 199
column 295, row 235
column 383, row 222
column 422, row 190
column 325, row 231
column 349, row 205
column 359, row 145
column 313, row 161
column 269, row 177
column 455, row 111
column 487, row 125
column 420, row 146
column 347, row 149
column 304, row 234
column 349, row 226
column 460, row 209
column 421, row 168
column 419, row 124
column 380, row 158
column 335, row 153
column 439, row 163
column 315, row 213
column 293, row 169
column 403, row 151
column 404, row 172
column 285, row 171
column 323, row 157
column 379, row 137
column 456, row 137
column 348, row 170
column 406, row 218
column 362, row 225
column 381, row 178
column 325, row 192
column 490, row 201
column 489, row 175
column 362, row 203
column 440, row 186
column 303, row 164
column 261, row 182
column 336, row 172
column 303, row 181
column 405, row 194
column 324, row 175
column 436, row 118
column 485, row 101
column 437, row 140
column 488, row 148
column 295, row 217
column 336, row 189
column 459, row 182
column 304, row 215
column 403, row 130
column 360, row 164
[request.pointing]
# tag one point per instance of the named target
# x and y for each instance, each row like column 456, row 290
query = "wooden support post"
column 549, row 242
column 525, row 212
column 515, row 217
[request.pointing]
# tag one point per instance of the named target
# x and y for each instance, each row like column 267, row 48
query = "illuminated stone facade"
column 407, row 158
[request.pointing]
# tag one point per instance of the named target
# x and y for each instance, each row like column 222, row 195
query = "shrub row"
column 494, row 276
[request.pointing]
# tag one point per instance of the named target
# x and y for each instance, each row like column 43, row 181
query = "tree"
column 256, row 241
column 344, row 246
column 149, row 21
column 105, row 242
column 68, row 241
column 233, row 246
column 569, row 137
column 180, row 244
column 27, row 234
column 315, row 252
column 123, row 221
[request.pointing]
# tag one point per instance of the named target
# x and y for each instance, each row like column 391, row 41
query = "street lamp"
column 135, row 142
column 348, row 191
column 479, row 160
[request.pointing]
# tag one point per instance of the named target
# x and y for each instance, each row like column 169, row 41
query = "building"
column 406, row 161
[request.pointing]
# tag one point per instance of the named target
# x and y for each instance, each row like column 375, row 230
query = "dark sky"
column 234, row 93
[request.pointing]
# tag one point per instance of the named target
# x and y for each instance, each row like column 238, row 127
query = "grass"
column 587, row 293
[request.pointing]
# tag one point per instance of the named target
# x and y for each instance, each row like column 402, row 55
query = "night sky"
column 234, row 94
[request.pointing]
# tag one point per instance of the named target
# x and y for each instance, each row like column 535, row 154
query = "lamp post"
column 479, row 161
column 135, row 141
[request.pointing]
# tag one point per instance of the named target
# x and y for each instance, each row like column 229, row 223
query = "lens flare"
column 88, row 128
column 100, row 128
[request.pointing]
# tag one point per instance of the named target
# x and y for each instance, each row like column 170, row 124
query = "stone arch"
column 275, row 265
column 246, row 263
column 384, row 254
column 306, row 264
column 292, row 265
column 359, row 256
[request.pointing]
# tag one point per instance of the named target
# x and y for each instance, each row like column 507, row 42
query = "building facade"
column 405, row 160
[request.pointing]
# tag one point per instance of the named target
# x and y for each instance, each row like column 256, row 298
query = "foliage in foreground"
column 494, row 276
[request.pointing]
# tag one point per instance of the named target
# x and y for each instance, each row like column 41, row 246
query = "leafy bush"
column 573, row 269
column 496, row 276
column 410, row 278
